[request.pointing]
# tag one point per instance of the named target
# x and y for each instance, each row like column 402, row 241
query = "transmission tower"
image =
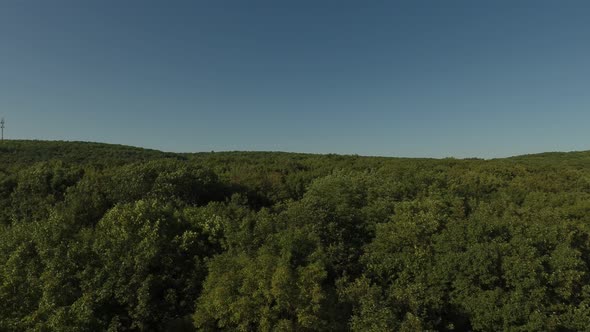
column 2, row 127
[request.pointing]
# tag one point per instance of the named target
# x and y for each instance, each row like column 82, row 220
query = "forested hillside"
column 97, row 237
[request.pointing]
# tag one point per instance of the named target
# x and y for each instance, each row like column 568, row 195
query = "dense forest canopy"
column 97, row 237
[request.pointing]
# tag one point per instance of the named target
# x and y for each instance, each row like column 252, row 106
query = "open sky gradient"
column 394, row 78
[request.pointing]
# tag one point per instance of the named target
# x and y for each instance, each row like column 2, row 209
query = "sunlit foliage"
column 99, row 237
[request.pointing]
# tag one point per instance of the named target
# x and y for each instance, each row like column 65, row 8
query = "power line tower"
column 2, row 122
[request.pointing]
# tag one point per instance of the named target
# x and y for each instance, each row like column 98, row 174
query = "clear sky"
column 394, row 78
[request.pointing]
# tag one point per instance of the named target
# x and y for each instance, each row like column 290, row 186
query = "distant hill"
column 31, row 151
column 574, row 158
column 13, row 152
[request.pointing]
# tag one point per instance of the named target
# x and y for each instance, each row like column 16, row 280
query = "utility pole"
column 2, row 127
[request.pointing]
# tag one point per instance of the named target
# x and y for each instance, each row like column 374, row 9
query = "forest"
column 99, row 237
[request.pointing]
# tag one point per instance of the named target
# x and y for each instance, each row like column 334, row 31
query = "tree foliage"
column 111, row 238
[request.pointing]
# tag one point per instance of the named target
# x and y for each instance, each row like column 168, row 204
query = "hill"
column 16, row 152
column 579, row 159
column 110, row 237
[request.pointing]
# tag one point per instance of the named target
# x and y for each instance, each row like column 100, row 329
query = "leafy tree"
column 96, row 237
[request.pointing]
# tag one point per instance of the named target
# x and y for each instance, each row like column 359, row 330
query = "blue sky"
column 393, row 78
